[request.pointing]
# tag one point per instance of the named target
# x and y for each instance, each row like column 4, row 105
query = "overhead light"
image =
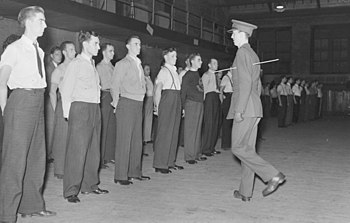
column 279, row 6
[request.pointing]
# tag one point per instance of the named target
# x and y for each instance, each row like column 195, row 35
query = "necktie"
column 38, row 60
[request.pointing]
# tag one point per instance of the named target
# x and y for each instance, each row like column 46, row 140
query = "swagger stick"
column 258, row 63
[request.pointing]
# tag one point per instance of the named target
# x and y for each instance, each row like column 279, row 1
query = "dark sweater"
column 190, row 88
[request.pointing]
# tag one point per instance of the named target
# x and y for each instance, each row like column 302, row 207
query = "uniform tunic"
column 246, row 100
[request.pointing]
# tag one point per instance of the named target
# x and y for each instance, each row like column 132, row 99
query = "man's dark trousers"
column 23, row 155
column 128, row 151
column 83, row 149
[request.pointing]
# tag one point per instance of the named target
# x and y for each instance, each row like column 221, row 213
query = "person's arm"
column 157, row 96
column 53, row 95
column 118, row 74
column 55, row 78
column 279, row 91
column 68, row 84
column 205, row 83
column 5, row 72
column 184, row 88
column 245, row 82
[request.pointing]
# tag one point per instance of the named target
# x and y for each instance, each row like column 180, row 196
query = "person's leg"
column 135, row 163
column 80, row 128
column 125, row 123
column 91, row 178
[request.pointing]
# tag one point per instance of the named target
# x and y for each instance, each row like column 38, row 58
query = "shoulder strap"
column 173, row 83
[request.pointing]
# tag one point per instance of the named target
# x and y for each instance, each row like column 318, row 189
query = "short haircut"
column 212, row 59
column 64, row 44
column 10, row 39
column 168, row 50
column 192, row 56
column 104, row 46
column 27, row 13
column 127, row 41
column 86, row 36
column 54, row 49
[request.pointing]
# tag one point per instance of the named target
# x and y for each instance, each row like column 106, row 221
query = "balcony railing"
column 165, row 15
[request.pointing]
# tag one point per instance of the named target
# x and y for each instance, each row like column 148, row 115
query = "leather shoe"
column 73, row 199
column 202, row 158
column 273, row 184
column 208, row 154
column 238, row 195
column 191, row 161
column 179, row 167
column 163, row 171
column 97, row 191
column 141, row 178
column 176, row 167
column 216, row 152
column 122, row 182
column 44, row 213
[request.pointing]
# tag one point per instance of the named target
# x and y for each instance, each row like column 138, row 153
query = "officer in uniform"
column 246, row 110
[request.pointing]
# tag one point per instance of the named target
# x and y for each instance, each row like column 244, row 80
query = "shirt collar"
column 86, row 57
column 138, row 61
column 173, row 68
column 28, row 41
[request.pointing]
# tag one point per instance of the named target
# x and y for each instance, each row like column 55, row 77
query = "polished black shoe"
column 273, row 184
column 73, row 199
column 122, row 182
column 97, row 191
column 216, row 152
column 141, row 178
column 44, row 213
column 163, row 171
column 58, row 176
column 112, row 161
column 176, row 167
column 238, row 195
column 191, row 161
column 208, row 154
column 179, row 167
column 202, row 158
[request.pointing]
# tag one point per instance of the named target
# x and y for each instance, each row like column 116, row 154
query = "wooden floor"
column 314, row 156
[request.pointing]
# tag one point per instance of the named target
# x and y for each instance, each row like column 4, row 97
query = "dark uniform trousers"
column 128, row 151
column 296, row 109
column 282, row 112
column 192, row 129
column 210, row 126
column 24, row 156
column 243, row 146
column 226, row 123
column 290, row 105
column 83, row 148
column 169, row 117
column 108, row 128
column 59, row 142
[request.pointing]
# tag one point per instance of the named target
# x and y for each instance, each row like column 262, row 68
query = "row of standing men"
column 293, row 100
column 78, row 103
